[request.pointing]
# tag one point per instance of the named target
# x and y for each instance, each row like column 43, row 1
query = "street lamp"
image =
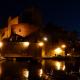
column 63, row 46
column 45, row 38
column 59, row 65
column 41, row 44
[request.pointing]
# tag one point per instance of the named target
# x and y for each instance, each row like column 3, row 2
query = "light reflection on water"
column 39, row 70
column 25, row 73
column 0, row 69
column 57, row 65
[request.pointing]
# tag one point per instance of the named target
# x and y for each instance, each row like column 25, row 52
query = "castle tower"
column 10, row 23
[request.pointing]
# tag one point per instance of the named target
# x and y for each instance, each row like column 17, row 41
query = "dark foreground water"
column 40, row 70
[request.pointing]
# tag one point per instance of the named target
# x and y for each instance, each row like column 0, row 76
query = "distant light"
column 40, row 44
column 68, row 54
column 63, row 46
column 25, row 73
column 63, row 68
column 58, row 51
column 26, row 44
column 45, row 38
column 1, row 44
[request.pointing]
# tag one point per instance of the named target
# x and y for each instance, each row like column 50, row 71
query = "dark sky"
column 61, row 12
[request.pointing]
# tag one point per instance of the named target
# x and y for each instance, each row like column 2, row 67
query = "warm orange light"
column 26, row 44
column 40, row 72
column 58, row 51
column 45, row 38
column 1, row 44
column 25, row 73
column 40, row 44
column 63, row 46
column 68, row 54
column 63, row 68
column 58, row 65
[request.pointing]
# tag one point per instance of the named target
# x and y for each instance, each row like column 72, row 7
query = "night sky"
column 61, row 12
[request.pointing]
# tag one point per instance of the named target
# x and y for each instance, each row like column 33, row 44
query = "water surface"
column 40, row 70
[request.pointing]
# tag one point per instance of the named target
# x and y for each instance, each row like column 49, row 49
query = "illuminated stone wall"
column 20, row 29
column 23, row 29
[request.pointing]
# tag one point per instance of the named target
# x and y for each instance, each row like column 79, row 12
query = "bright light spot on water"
column 40, row 72
column 58, row 65
column 25, row 73
column 63, row 68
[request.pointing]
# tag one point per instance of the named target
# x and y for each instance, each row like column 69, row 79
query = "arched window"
column 19, row 30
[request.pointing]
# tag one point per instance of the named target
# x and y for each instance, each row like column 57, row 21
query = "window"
column 19, row 30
